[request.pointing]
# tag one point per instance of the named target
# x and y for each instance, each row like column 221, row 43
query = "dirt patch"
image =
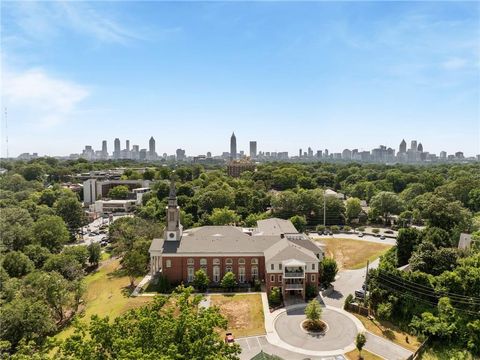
column 237, row 313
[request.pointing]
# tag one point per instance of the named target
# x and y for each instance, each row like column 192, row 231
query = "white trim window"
column 229, row 261
column 280, row 266
column 272, row 266
column 168, row 263
column 228, row 268
column 313, row 278
column 190, row 262
column 190, row 274
column 255, row 272
column 216, row 274
column 254, row 261
column 203, row 264
column 272, row 278
column 241, row 261
column 279, row 278
column 241, row 274
column 216, row 261
column 313, row 266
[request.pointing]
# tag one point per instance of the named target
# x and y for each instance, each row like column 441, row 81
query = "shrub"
column 335, row 229
column 329, row 270
column 275, row 297
column 311, row 291
column 257, row 285
column 347, row 228
column 375, row 230
column 360, row 341
column 201, row 280
column 348, row 301
column 229, row 281
column 313, row 311
column 361, row 228
column 320, row 228
column 384, row 311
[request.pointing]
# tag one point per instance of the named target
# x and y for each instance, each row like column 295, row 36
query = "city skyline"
column 335, row 74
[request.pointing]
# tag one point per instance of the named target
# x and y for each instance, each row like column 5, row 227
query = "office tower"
column 233, row 147
column 403, row 147
column 319, row 153
column 413, row 145
column 180, row 154
column 420, row 147
column 253, row 149
column 209, row 154
column 151, row 145
column 300, row 152
column 443, row 154
column 127, row 147
column 116, row 148
column 310, row 152
column 326, row 153
column 347, row 154
column 104, row 147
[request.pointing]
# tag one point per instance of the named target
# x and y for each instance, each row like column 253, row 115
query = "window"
column 216, row 261
column 254, row 272
column 279, row 278
column 229, row 261
column 313, row 266
column 203, row 262
column 228, row 268
column 168, row 263
column 216, row 273
column 190, row 274
column 254, row 261
column 190, row 261
column 272, row 278
column 272, row 266
column 241, row 261
column 241, row 274
column 280, row 266
column 312, row 278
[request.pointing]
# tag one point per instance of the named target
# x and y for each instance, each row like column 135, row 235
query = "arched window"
column 190, row 261
column 203, row 262
column 241, row 261
column 229, row 261
column 216, row 261
column 254, row 261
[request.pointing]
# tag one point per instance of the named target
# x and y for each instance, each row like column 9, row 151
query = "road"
column 368, row 238
column 95, row 225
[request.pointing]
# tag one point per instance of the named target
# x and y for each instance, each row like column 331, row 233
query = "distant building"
column 413, row 145
column 403, row 147
column 236, row 168
column 233, row 147
column 465, row 241
column 300, row 153
column 443, row 155
column 116, row 148
column 346, row 154
column 180, row 154
column 253, row 149
column 95, row 189
column 152, row 154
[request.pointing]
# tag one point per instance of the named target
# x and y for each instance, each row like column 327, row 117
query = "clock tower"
column 173, row 232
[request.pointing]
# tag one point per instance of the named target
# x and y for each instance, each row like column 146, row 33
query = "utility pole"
column 324, row 208
column 366, row 283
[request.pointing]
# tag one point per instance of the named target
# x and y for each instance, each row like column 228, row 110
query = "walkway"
column 140, row 285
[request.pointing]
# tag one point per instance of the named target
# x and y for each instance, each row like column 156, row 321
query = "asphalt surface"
column 341, row 330
column 385, row 348
column 252, row 345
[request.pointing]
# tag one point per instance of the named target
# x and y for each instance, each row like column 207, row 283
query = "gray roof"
column 307, row 244
column 285, row 249
column 276, row 226
column 465, row 241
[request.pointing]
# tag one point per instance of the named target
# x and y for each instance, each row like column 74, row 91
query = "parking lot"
column 252, row 345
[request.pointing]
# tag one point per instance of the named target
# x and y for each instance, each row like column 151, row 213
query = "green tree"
column 386, row 203
column 94, row 253
column 353, row 208
column 119, row 192
column 407, row 240
column 15, row 228
column 201, row 280
column 313, row 311
column 33, row 172
column 329, row 270
column 80, row 253
column 183, row 330
column 38, row 254
column 134, row 264
column 360, row 341
column 299, row 222
column 223, row 216
column 229, row 282
column 71, row 211
column 275, row 296
column 17, row 264
column 65, row 264
column 50, row 232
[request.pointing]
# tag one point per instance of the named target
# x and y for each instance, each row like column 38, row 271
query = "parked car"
column 330, row 233
column 382, row 237
column 360, row 235
column 229, row 339
column 360, row 294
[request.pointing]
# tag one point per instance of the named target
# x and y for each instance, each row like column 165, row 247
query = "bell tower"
column 174, row 229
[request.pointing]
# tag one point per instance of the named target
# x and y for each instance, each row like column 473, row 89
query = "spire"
column 173, row 191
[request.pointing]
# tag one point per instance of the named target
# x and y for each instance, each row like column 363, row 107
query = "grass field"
column 106, row 295
column 389, row 331
column 353, row 355
column 445, row 352
column 244, row 313
column 352, row 254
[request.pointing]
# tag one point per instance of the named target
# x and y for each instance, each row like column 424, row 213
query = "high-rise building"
column 443, row 154
column 127, row 145
column 104, row 153
column 310, row 152
column 180, row 154
column 253, row 149
column 420, row 147
column 413, row 145
column 300, row 152
column 152, row 155
column 116, row 148
column 233, row 146
column 209, row 154
column 403, row 147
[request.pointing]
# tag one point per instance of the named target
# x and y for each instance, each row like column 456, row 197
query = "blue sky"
column 288, row 74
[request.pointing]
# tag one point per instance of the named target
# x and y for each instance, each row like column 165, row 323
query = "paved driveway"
column 251, row 346
column 340, row 334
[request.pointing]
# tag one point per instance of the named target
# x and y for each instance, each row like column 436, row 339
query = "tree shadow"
column 127, row 290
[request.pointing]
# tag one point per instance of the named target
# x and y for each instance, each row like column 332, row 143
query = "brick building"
column 273, row 252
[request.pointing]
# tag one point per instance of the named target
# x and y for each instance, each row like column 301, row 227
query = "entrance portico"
column 293, row 278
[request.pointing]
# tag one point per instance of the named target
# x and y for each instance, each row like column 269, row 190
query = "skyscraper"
column 233, row 147
column 127, row 145
column 116, row 148
column 300, row 153
column 253, row 149
column 420, row 147
column 151, row 145
column 413, row 145
column 403, row 147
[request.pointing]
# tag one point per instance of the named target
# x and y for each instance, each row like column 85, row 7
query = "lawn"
column 243, row 312
column 107, row 294
column 366, row 355
column 391, row 332
column 353, row 254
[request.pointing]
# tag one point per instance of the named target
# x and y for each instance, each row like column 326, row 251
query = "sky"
column 289, row 75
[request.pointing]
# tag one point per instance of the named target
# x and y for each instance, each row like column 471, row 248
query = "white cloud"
column 455, row 63
column 43, row 99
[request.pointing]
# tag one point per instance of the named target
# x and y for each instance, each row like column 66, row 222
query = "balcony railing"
column 293, row 286
column 294, row 274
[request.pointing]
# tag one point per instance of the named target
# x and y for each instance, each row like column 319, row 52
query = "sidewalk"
column 140, row 285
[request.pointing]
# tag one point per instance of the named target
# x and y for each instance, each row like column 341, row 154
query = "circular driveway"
column 341, row 330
